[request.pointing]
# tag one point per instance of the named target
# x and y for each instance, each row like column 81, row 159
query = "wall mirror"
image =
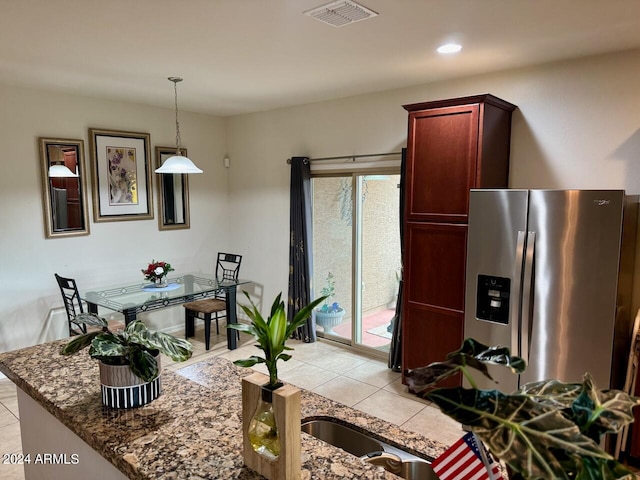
column 64, row 192
column 173, row 193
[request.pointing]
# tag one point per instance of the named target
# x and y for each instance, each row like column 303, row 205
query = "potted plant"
column 329, row 315
column 271, row 335
column 546, row 429
column 129, row 359
column 156, row 272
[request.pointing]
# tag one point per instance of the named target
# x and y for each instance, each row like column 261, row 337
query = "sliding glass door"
column 356, row 250
column 333, row 254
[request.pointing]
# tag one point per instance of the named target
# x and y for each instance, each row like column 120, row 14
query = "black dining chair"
column 227, row 268
column 72, row 303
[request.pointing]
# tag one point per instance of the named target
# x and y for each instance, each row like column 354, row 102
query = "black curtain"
column 395, row 350
column 300, row 273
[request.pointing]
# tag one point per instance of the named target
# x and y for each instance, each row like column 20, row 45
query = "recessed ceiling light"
column 449, row 48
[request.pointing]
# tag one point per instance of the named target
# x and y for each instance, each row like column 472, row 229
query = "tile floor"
column 370, row 323
column 324, row 367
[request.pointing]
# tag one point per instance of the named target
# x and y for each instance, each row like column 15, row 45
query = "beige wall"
column 29, row 297
column 577, row 126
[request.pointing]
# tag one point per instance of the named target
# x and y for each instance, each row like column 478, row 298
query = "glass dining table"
column 133, row 298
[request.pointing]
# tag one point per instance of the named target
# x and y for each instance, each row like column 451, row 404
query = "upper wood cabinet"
column 453, row 146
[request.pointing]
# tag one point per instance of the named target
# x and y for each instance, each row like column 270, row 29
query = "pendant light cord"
column 177, row 163
column 175, row 81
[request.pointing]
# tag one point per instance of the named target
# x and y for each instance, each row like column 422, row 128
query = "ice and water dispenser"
column 492, row 302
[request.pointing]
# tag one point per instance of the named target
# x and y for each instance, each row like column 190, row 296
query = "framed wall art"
column 121, row 180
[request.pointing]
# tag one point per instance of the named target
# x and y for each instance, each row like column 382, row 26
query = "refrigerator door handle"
column 526, row 296
column 517, row 293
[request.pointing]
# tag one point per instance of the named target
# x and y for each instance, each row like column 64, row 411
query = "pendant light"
column 177, row 163
column 61, row 171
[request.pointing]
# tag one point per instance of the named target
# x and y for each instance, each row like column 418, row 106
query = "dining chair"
column 227, row 268
column 72, row 303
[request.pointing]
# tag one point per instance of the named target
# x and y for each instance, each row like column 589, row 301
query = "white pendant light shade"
column 178, row 164
column 59, row 171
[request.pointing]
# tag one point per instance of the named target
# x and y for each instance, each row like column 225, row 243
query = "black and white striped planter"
column 121, row 388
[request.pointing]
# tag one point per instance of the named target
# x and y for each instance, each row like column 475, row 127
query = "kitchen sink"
column 342, row 436
column 371, row 450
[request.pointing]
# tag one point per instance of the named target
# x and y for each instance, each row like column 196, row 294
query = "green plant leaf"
column 143, row 364
column 552, row 392
column 601, row 469
column 477, row 355
column 284, row 357
column 277, row 329
column 78, row 343
column 422, row 379
column 243, row 327
column 471, row 354
column 106, row 345
column 249, row 362
column 276, row 304
column 520, row 431
column 177, row 349
column 89, row 319
column 597, row 412
column 302, row 315
column 260, row 328
column 254, row 315
column 135, row 328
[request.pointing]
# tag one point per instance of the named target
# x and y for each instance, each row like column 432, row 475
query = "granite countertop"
column 193, row 430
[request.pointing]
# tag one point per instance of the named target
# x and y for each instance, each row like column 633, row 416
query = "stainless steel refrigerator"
column 549, row 274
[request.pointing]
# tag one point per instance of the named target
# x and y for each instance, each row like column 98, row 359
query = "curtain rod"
column 352, row 157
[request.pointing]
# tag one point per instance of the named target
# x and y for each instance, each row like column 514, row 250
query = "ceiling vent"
column 340, row 13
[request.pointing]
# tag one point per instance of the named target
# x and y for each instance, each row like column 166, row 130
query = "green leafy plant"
column 327, row 292
column 271, row 334
column 544, row 430
column 135, row 346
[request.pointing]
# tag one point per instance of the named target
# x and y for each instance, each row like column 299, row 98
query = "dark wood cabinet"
column 452, row 146
column 436, row 263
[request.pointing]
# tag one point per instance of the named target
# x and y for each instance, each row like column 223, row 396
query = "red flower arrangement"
column 156, row 270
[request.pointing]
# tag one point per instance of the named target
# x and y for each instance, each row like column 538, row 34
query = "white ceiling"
column 239, row 56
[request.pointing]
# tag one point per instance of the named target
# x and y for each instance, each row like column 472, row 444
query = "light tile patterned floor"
column 326, row 368
column 370, row 323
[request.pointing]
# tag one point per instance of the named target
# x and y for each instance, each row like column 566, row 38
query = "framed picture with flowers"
column 121, row 180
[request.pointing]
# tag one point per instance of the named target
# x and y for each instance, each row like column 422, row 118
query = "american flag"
column 462, row 461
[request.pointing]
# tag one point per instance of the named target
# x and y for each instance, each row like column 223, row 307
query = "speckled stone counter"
column 193, row 430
